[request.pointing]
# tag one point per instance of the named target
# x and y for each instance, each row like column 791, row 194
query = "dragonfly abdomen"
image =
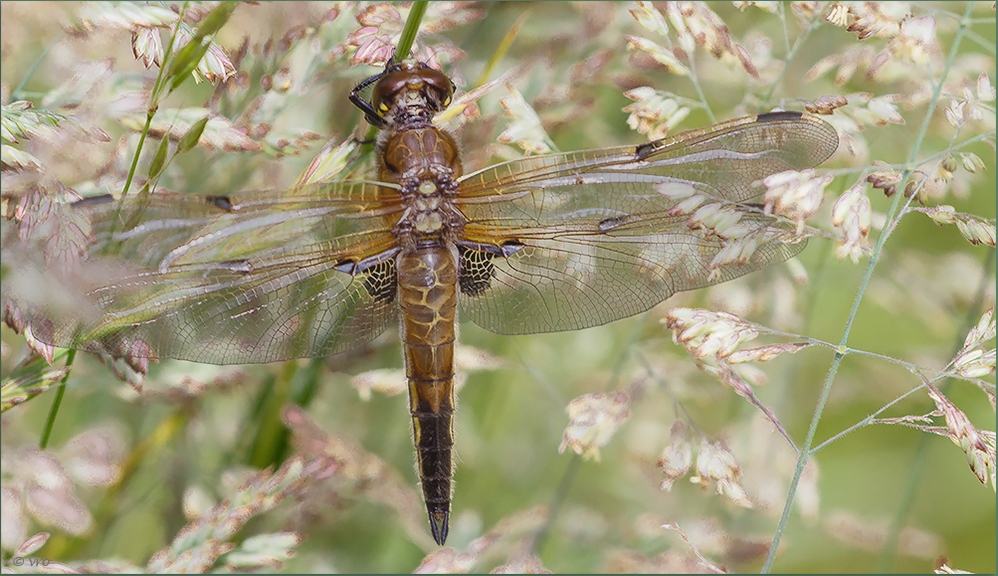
column 427, row 277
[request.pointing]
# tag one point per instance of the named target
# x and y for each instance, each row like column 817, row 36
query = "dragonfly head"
column 411, row 88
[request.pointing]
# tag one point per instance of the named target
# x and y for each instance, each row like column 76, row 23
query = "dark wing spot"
column 222, row 202
column 476, row 270
column 93, row 201
column 607, row 224
column 346, row 267
column 644, row 150
column 750, row 207
column 381, row 281
column 779, row 116
column 509, row 248
column 237, row 266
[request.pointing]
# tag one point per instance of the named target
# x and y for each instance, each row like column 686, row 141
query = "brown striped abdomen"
column 427, row 277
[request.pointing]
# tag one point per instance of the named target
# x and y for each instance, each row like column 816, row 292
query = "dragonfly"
column 545, row 243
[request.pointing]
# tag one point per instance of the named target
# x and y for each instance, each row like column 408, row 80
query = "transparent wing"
column 244, row 278
column 569, row 241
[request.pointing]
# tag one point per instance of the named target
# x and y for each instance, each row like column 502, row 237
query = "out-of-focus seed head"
column 977, row 232
column 654, row 113
column 868, row 19
column 943, row 567
column 878, row 111
column 765, row 353
column 593, row 420
column 697, row 25
column 851, row 218
column 795, row 195
column 942, row 214
column 649, row 17
column 985, row 90
column 806, row 10
column 826, row 104
column 916, row 185
column 677, row 458
column 978, row 445
column 147, row 46
column 660, row 54
column 717, row 465
column 916, row 42
column 771, row 7
column 887, row 180
column 525, row 130
column 329, row 162
column 838, row 14
column 387, row 381
column 948, row 166
column 983, row 331
column 972, row 162
column 707, row 333
column 975, row 363
column 195, row 502
column 127, row 16
column 973, row 104
column 38, row 485
column 716, row 218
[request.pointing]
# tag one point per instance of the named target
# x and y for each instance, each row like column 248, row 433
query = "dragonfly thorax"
column 427, row 215
column 421, row 158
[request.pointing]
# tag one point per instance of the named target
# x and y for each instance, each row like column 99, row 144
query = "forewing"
column 569, row 241
column 243, row 278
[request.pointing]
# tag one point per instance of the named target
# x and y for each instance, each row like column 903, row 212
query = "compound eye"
column 387, row 89
column 440, row 84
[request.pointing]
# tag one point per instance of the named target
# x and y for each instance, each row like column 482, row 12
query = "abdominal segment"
column 428, row 298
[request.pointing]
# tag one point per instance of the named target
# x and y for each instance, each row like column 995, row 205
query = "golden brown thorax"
column 419, row 153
